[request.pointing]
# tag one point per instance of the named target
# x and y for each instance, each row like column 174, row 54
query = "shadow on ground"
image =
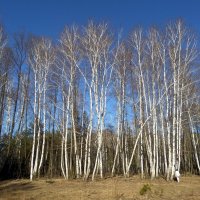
column 16, row 186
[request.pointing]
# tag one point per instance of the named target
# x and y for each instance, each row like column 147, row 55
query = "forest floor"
column 117, row 188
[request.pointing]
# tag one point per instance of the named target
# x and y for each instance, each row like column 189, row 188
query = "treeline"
column 95, row 104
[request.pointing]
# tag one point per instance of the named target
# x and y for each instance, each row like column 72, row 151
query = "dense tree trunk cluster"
column 95, row 104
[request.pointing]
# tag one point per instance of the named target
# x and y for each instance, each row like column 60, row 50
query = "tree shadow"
column 13, row 187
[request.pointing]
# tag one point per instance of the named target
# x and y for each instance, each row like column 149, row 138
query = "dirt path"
column 117, row 188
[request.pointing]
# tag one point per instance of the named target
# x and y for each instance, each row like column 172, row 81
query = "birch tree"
column 98, row 42
column 122, row 63
column 182, row 53
column 40, row 58
column 70, row 51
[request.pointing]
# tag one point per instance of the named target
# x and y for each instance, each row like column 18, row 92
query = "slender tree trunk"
column 34, row 130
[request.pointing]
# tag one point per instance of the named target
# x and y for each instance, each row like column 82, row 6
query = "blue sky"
column 48, row 17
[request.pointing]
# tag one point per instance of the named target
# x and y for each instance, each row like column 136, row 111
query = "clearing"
column 117, row 188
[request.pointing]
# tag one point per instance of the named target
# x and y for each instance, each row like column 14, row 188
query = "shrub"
column 145, row 189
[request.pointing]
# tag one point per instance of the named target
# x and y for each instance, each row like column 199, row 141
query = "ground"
column 117, row 188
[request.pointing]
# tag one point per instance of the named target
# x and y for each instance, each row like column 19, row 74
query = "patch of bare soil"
column 117, row 188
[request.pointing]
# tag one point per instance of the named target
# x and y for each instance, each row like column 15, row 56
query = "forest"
column 98, row 103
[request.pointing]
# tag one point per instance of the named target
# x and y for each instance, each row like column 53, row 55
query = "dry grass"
column 117, row 188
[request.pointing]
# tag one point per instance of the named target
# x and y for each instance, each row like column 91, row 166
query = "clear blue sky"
column 48, row 17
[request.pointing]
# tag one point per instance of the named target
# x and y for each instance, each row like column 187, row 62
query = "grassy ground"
column 117, row 188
